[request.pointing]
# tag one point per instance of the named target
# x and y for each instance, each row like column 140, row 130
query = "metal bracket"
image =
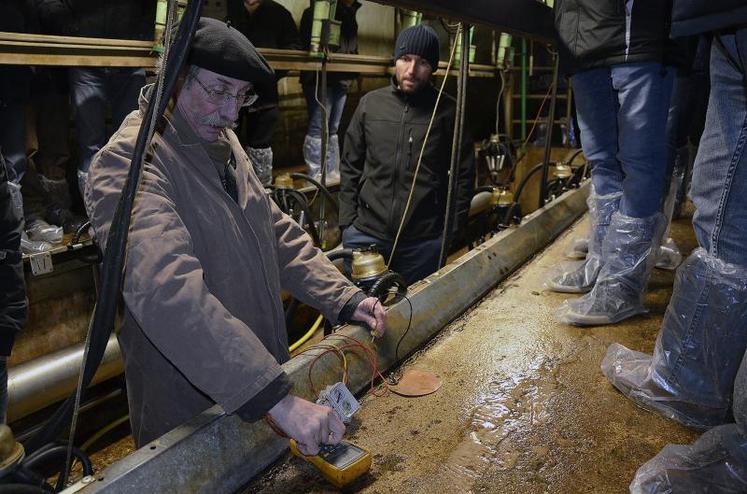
column 41, row 263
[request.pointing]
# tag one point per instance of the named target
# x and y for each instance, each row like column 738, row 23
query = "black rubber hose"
column 116, row 244
column 380, row 288
column 22, row 489
column 340, row 254
column 304, row 205
column 58, row 450
column 80, row 231
column 315, row 183
column 573, row 157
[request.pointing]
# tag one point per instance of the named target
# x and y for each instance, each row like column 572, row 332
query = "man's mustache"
column 216, row 120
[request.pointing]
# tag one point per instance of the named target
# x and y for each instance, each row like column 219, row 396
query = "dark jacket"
column 13, row 306
column 600, row 33
column 348, row 41
column 381, row 150
column 701, row 16
column 270, row 26
column 16, row 16
column 116, row 19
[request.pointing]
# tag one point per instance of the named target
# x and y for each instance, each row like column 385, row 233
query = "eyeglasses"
column 222, row 97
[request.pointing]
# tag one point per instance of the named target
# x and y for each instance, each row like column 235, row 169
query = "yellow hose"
column 100, row 433
column 308, row 335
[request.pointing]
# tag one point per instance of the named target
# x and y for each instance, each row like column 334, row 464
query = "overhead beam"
column 521, row 17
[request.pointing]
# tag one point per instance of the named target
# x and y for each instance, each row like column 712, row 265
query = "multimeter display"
column 342, row 455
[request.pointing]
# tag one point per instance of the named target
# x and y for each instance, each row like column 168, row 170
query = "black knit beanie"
column 419, row 40
column 221, row 48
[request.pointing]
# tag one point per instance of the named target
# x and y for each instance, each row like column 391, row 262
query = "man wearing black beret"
column 382, row 148
column 208, row 256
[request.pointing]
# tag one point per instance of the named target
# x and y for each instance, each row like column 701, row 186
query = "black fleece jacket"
column 381, row 150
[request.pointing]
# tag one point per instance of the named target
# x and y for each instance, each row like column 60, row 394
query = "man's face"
column 210, row 102
column 413, row 73
column 252, row 5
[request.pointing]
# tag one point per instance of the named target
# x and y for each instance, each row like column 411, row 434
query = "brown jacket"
column 204, row 321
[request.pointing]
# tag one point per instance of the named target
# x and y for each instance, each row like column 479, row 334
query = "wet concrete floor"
column 524, row 406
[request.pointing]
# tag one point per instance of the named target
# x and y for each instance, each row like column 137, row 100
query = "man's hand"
column 372, row 313
column 311, row 425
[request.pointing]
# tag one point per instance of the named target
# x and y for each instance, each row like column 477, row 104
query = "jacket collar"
column 425, row 96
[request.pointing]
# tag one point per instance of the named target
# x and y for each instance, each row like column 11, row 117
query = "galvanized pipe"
column 215, row 452
column 46, row 380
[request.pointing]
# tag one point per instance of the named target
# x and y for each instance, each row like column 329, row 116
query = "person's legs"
column 124, row 87
column 417, row 259
column 703, row 336
column 597, row 108
column 257, row 129
column 336, row 97
column 13, row 139
column 88, row 95
column 634, row 233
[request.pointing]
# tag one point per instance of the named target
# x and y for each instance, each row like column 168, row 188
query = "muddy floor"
column 523, row 406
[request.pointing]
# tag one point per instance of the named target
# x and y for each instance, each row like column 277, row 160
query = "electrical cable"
column 420, row 157
column 498, row 106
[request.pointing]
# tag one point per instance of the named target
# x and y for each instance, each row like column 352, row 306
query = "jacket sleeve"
column 305, row 270
column 165, row 291
column 465, row 187
column 351, row 166
column 13, row 306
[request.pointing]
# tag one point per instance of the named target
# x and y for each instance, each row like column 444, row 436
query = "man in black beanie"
column 387, row 191
column 208, row 256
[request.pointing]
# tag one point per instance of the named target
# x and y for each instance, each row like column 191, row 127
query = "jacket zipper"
column 397, row 177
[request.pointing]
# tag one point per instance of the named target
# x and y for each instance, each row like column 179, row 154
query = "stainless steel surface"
column 38, row 383
column 215, row 452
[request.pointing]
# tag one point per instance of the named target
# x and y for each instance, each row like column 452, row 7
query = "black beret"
column 221, row 48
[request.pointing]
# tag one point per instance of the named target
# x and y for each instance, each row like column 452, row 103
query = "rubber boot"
column 312, row 152
column 580, row 278
column 698, row 351
column 261, row 159
column 628, row 254
column 333, row 159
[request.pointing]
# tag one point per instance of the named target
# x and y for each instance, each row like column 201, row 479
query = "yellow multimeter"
column 340, row 464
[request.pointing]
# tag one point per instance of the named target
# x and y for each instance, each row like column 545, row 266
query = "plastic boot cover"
column 32, row 246
column 669, row 256
column 41, row 231
column 580, row 277
column 698, row 351
column 82, row 180
column 579, row 248
column 621, row 285
column 333, row 159
column 312, row 152
column 716, row 462
column 261, row 159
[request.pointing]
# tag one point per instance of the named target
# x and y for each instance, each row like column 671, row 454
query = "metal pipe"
column 548, row 133
column 216, row 452
column 46, row 380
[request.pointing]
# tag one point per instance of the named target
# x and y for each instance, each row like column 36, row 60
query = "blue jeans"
column 91, row 89
column 719, row 182
column 13, row 139
column 414, row 260
column 622, row 114
column 336, row 96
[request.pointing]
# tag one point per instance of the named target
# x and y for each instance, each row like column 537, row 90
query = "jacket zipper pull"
column 409, row 151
